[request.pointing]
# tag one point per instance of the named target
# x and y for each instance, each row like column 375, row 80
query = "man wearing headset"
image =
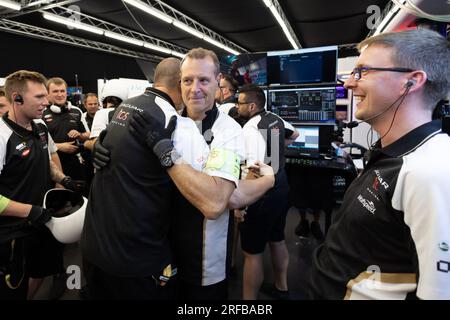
column 390, row 239
column 26, row 173
column 64, row 124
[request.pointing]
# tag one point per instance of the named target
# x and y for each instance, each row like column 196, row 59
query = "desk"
column 318, row 183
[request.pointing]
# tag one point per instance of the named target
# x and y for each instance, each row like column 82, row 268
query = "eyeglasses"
column 241, row 103
column 359, row 71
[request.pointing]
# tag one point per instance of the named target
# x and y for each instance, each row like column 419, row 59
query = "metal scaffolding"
column 181, row 17
column 45, row 34
column 64, row 12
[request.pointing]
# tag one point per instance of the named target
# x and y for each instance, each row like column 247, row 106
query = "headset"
column 408, row 85
column 57, row 109
column 18, row 99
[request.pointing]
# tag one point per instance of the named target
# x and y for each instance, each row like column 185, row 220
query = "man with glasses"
column 390, row 238
column 264, row 135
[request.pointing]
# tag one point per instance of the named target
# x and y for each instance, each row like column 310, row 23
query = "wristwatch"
column 169, row 158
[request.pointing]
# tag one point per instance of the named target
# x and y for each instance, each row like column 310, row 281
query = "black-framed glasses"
column 359, row 71
column 242, row 102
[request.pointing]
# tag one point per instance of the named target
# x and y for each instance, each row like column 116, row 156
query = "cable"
column 395, row 113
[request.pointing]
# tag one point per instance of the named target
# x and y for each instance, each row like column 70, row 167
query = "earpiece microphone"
column 18, row 99
column 410, row 83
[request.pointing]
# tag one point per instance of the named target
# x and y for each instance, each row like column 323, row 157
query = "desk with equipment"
column 317, row 177
column 301, row 89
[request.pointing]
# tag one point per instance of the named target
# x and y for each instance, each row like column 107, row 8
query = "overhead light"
column 178, row 54
column 72, row 23
column 188, row 29
column 214, row 42
column 145, row 7
column 160, row 15
column 281, row 22
column 157, row 48
column 36, row 3
column 120, row 37
column 10, row 4
column 218, row 44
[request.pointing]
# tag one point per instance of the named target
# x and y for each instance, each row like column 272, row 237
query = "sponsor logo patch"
column 369, row 205
column 25, row 153
column 381, row 180
column 21, row 146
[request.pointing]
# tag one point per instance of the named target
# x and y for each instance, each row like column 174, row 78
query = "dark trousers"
column 217, row 291
column 13, row 275
column 102, row 285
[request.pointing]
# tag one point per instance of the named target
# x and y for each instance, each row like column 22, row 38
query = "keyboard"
column 334, row 164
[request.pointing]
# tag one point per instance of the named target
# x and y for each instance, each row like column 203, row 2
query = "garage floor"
column 300, row 251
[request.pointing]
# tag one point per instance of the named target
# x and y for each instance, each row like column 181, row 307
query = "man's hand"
column 38, row 216
column 261, row 169
column 152, row 133
column 74, row 134
column 67, row 147
column 101, row 155
column 75, row 185
column 239, row 215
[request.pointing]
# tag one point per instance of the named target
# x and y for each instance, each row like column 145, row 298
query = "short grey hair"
column 420, row 49
column 200, row 53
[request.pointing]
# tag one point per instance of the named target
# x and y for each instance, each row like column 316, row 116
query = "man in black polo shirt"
column 208, row 191
column 64, row 124
column 92, row 106
column 26, row 173
column 124, row 243
column 265, row 135
column 390, row 238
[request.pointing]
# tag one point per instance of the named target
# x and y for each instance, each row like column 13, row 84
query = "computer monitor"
column 304, row 66
column 312, row 140
column 304, row 104
column 308, row 139
column 250, row 68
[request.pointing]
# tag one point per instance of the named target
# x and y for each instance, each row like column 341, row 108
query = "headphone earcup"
column 54, row 108
column 18, row 99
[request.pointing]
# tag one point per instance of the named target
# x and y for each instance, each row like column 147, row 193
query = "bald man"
column 124, row 243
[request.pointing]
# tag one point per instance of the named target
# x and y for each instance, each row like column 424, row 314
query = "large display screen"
column 304, row 104
column 304, row 66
